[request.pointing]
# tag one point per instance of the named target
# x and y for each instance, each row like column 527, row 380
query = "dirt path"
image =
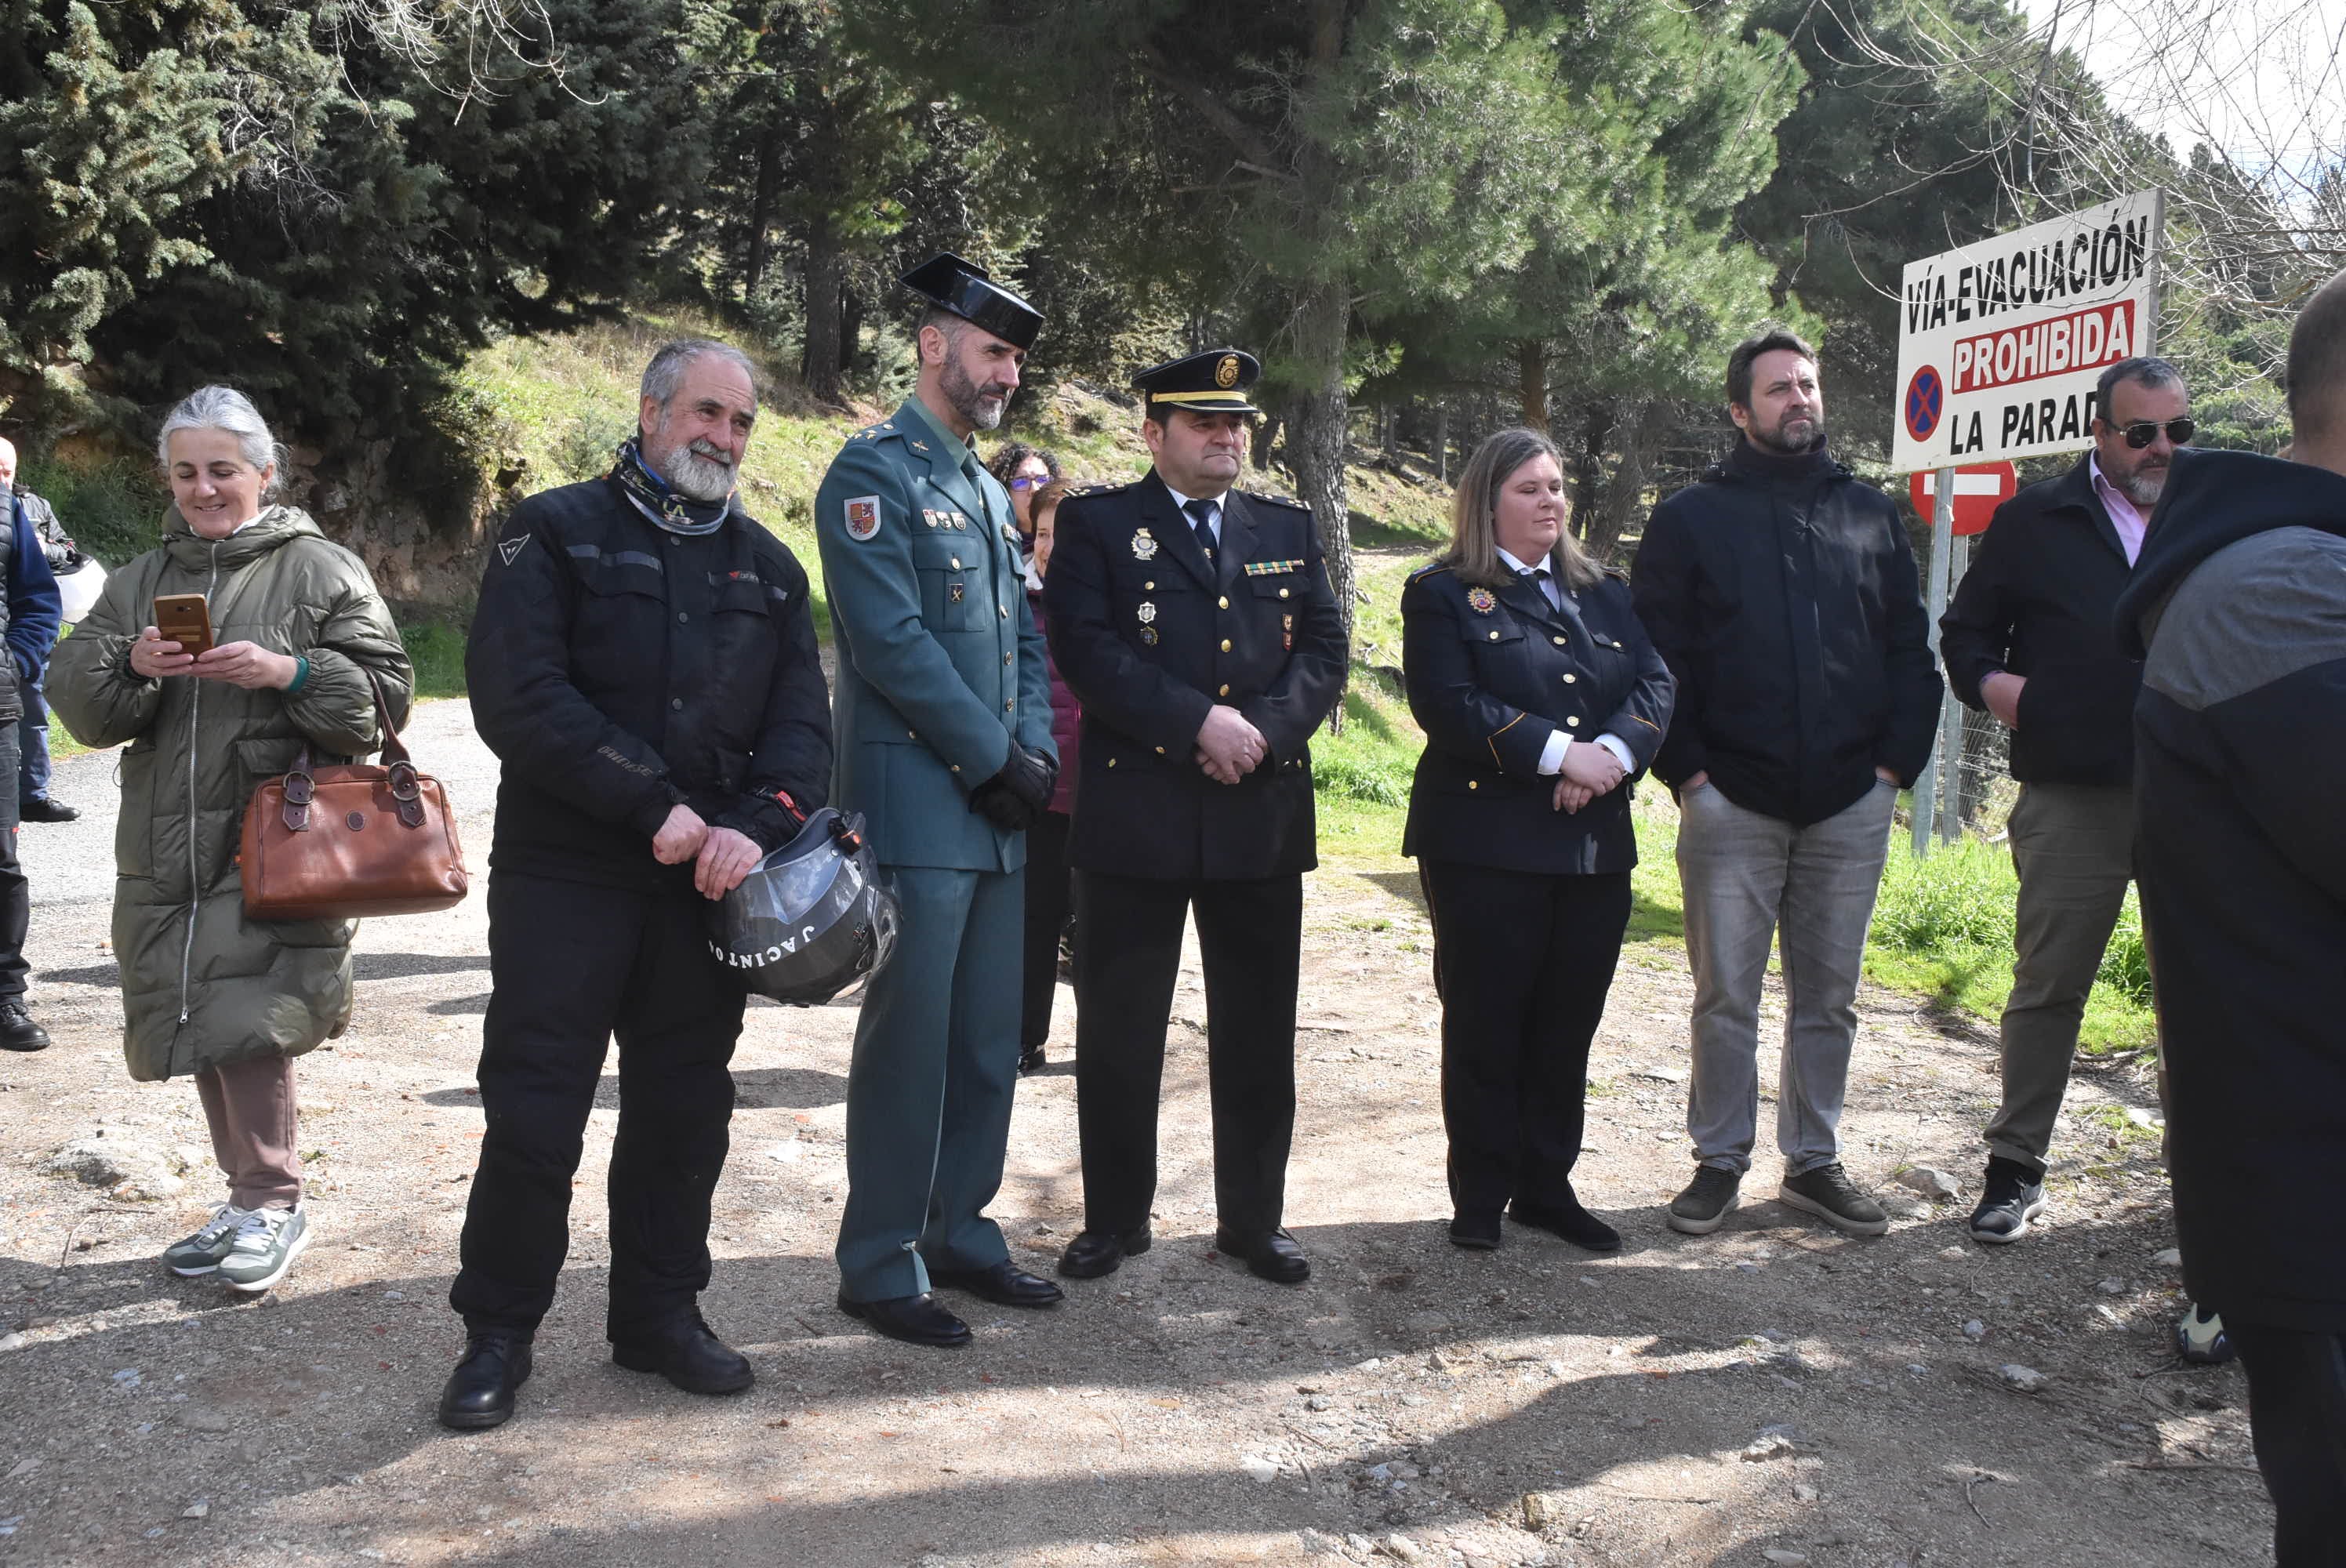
column 1774, row 1393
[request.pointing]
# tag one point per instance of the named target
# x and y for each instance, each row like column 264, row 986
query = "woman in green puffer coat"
column 298, row 627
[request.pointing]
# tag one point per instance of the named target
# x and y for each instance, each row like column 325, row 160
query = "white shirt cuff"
column 1551, row 761
column 1620, row 750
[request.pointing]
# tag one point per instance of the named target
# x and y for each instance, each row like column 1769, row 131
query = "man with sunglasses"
column 2030, row 638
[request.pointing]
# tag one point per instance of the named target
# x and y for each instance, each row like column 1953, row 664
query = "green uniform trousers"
column 929, row 1093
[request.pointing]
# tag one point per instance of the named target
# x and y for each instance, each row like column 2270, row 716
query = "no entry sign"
column 1979, row 491
column 2000, row 343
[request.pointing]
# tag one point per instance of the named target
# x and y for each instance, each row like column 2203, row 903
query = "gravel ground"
column 1772, row 1394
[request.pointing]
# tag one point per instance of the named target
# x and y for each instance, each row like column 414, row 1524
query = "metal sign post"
column 1943, row 537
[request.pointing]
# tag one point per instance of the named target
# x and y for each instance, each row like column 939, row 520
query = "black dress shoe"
column 915, row 1319
column 480, row 1392
column 1275, row 1256
column 1004, row 1284
column 47, row 812
column 1475, row 1232
column 1097, row 1252
column 1569, row 1223
column 687, row 1354
column 1031, row 1060
column 17, row 1029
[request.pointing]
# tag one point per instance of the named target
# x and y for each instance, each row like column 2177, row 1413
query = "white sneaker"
column 266, row 1245
column 203, row 1252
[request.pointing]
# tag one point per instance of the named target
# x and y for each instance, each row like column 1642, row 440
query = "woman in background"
column 301, row 638
column 1024, row 470
column 1540, row 698
column 1047, row 887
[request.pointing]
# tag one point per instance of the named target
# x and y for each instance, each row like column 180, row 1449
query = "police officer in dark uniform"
column 1194, row 624
column 643, row 664
column 1540, row 698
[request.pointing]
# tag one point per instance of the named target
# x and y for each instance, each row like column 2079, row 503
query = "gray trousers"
column 2073, row 845
column 1746, row 877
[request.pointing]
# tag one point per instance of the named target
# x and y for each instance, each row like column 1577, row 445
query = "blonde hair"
column 1474, row 552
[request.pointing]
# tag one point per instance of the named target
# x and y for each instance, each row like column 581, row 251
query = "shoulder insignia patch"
column 509, row 548
column 864, row 517
column 1483, row 602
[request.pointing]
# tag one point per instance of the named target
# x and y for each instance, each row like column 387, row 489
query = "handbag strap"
column 301, row 785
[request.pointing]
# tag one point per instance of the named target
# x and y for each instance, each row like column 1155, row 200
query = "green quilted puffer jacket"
column 201, row 985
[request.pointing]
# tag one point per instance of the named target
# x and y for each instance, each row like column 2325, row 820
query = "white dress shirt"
column 1182, row 502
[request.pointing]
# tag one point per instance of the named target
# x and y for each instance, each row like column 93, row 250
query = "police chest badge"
column 1482, row 600
column 864, row 517
column 1144, row 544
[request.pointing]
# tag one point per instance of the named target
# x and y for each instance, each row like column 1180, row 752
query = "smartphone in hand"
column 185, row 619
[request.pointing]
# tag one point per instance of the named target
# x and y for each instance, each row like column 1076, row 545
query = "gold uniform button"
column 1007, row 657
column 1150, row 587
column 1224, row 691
column 1111, row 761
column 1495, row 637
column 1160, row 751
column 1573, row 722
column 1282, row 593
column 956, row 563
column 1013, row 702
column 1226, row 644
column 1474, row 784
column 1224, row 603
column 909, row 735
column 1558, row 641
column 1570, row 679
column 956, row 766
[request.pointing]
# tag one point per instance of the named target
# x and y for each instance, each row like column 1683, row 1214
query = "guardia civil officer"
column 1541, row 699
column 1195, row 625
column 643, row 664
column 943, row 713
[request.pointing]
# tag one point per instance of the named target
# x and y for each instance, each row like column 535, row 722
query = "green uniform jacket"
column 201, row 984
column 939, row 662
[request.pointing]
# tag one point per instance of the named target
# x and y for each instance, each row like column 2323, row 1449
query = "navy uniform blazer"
column 1491, row 674
column 1149, row 638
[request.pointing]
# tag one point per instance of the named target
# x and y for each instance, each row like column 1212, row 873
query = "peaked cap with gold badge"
column 1212, row 383
column 950, row 283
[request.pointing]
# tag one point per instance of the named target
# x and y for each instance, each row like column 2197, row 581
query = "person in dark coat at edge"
column 2028, row 638
column 1195, row 624
column 1782, row 593
column 1541, row 699
column 1049, row 888
column 2239, row 609
column 643, row 664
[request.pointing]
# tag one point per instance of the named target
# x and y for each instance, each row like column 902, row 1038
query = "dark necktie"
column 1541, row 578
column 1201, row 516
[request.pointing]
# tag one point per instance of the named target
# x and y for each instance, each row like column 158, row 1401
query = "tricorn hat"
column 950, row 283
column 1212, row 383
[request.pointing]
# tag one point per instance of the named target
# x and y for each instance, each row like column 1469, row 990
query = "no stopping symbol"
column 1926, row 399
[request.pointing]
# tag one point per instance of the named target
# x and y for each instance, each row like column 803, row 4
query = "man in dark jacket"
column 1194, row 624
column 1782, row 594
column 28, row 622
column 33, row 802
column 2029, row 638
column 2239, row 742
column 643, row 664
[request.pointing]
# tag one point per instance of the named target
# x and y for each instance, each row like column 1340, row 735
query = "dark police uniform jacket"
column 1490, row 672
column 618, row 669
column 1149, row 638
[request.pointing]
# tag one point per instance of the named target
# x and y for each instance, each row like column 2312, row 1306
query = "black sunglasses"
column 2143, row 431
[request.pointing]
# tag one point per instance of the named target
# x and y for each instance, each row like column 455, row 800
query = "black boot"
column 480, row 1392
column 685, row 1352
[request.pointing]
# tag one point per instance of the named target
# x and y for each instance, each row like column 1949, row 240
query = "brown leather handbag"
column 352, row 839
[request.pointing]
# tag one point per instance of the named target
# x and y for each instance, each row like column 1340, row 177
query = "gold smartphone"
column 185, row 619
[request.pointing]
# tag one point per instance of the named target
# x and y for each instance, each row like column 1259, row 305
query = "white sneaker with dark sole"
column 265, row 1247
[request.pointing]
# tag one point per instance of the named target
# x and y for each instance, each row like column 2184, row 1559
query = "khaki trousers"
column 252, row 1110
column 2073, row 845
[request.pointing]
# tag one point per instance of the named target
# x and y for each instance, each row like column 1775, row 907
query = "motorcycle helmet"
column 811, row 919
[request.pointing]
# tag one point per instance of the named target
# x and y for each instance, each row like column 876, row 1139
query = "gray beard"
column 696, row 477
column 2142, row 490
column 981, row 414
column 1773, row 441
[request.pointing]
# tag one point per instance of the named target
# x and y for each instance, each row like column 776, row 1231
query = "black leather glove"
column 1015, row 797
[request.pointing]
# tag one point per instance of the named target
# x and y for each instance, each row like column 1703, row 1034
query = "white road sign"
column 1999, row 342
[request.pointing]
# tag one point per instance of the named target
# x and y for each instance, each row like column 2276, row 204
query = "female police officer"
column 1539, row 697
